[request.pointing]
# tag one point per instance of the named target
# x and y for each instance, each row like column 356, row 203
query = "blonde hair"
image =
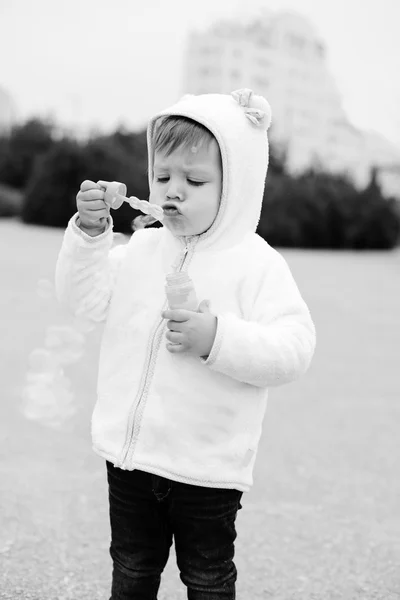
column 173, row 131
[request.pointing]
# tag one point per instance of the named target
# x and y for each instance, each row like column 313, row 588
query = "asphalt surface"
column 322, row 520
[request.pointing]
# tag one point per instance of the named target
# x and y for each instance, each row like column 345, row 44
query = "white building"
column 7, row 111
column 281, row 57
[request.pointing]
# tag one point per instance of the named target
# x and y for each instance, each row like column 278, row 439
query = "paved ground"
column 323, row 518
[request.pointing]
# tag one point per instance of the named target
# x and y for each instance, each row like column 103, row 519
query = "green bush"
column 120, row 157
column 11, row 201
column 51, row 192
column 378, row 221
column 50, row 197
column 314, row 210
column 20, row 150
column 318, row 210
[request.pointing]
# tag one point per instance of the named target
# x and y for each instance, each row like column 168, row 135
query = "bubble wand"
column 115, row 196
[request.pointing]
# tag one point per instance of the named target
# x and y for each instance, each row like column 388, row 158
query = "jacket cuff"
column 212, row 357
column 73, row 225
column 262, row 356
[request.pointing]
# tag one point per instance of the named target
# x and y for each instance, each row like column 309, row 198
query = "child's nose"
column 174, row 190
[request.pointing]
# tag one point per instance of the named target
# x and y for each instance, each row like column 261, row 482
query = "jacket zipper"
column 135, row 416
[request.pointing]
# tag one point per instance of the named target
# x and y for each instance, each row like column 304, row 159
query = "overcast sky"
column 103, row 62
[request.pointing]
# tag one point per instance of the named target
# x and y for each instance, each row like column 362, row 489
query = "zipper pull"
column 186, row 249
column 183, row 256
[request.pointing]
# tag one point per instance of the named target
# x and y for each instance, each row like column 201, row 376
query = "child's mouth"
column 170, row 210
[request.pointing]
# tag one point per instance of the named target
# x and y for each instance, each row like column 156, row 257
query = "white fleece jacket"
column 176, row 415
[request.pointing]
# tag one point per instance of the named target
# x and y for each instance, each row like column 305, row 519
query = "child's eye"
column 197, row 183
column 162, row 179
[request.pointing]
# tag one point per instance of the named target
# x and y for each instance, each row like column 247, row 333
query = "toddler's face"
column 192, row 182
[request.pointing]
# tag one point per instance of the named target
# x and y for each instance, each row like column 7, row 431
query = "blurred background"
column 78, row 82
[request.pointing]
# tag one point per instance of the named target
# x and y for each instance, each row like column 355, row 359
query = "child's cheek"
column 154, row 194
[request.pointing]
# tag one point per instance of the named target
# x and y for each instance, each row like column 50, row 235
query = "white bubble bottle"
column 180, row 291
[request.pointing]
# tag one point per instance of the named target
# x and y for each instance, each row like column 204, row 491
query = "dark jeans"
column 147, row 511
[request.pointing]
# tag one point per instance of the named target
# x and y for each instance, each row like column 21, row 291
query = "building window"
column 263, row 62
column 208, row 50
column 289, row 112
column 261, row 82
column 320, row 50
column 307, row 115
column 208, row 71
column 264, row 40
column 204, row 71
column 296, row 43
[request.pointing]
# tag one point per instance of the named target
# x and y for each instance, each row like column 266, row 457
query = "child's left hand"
column 191, row 331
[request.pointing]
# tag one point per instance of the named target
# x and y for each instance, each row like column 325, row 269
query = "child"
column 182, row 394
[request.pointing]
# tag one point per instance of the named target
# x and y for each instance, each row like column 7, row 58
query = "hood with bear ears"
column 239, row 122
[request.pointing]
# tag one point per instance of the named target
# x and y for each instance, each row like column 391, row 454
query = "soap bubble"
column 63, row 335
column 42, row 360
column 83, row 325
column 47, row 392
column 47, row 396
column 68, row 356
column 65, row 344
column 49, row 404
column 45, row 289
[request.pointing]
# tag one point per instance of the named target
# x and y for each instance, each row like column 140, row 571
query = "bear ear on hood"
column 256, row 108
column 186, row 97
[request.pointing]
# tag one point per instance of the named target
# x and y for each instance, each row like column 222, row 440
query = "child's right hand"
column 93, row 211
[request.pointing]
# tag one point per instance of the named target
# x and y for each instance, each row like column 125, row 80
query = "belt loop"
column 161, row 487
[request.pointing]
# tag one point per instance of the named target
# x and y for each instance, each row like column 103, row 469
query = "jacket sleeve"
column 276, row 345
column 86, row 271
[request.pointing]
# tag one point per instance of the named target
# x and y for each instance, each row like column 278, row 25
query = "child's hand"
column 93, row 211
column 191, row 331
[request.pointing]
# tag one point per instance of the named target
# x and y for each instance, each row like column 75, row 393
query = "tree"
column 120, row 157
column 378, row 225
column 21, row 149
column 51, row 192
column 320, row 210
column 50, row 197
